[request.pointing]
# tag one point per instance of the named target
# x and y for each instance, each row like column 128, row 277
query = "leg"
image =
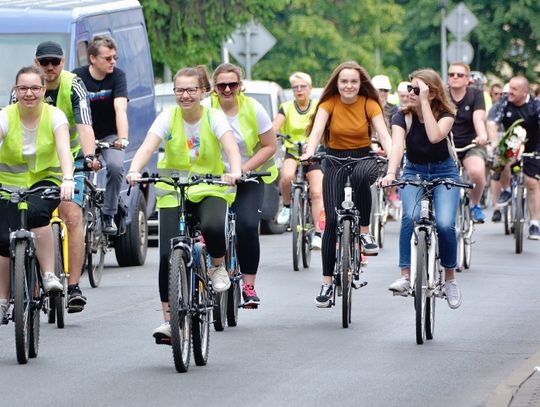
column 315, row 180
column 4, row 278
column 286, row 174
column 71, row 213
column 168, row 228
column 476, row 168
column 115, row 179
column 533, row 197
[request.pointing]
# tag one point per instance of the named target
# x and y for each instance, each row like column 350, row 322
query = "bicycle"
column 380, row 205
column 191, row 297
column 427, row 277
column 348, row 268
column 226, row 304
column 301, row 223
column 26, row 286
column 57, row 305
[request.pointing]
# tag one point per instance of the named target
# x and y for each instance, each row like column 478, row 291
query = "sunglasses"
column 415, row 89
column 456, row 74
column 109, row 58
column 47, row 61
column 231, row 85
column 300, row 87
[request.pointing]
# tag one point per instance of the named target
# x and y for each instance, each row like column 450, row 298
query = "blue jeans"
column 445, row 203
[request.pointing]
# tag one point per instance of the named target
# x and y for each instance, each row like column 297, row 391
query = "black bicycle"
column 27, row 294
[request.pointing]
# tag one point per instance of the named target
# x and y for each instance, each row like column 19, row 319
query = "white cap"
column 381, row 82
column 506, row 88
column 402, row 87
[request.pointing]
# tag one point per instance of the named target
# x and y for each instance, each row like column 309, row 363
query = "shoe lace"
column 451, row 290
column 249, row 290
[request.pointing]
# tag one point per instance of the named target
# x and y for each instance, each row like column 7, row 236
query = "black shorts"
column 39, row 214
column 531, row 167
column 309, row 167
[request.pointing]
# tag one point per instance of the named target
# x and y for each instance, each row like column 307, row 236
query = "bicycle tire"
column 430, row 303
column 220, row 310
column 375, row 214
column 57, row 302
column 507, row 216
column 234, row 294
column 22, row 302
column 519, row 219
column 34, row 329
column 382, row 210
column 200, row 321
column 346, row 274
column 420, row 287
column 296, row 228
column 96, row 254
column 467, row 242
column 307, row 233
column 460, row 232
column 180, row 318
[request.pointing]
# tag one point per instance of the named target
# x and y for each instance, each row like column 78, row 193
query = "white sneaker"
column 220, row 278
column 453, row 294
column 284, row 216
column 401, row 285
column 316, row 242
column 162, row 332
column 51, row 283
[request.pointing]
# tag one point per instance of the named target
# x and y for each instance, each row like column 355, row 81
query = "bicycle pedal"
column 358, row 284
column 400, row 293
column 162, row 340
column 249, row 306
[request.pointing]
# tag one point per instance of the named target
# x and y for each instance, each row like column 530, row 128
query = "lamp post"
column 442, row 7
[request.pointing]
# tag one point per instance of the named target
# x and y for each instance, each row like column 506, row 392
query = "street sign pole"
column 248, row 52
column 443, row 42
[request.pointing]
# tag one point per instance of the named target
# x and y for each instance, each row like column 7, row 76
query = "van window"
column 265, row 100
column 21, row 49
column 82, row 54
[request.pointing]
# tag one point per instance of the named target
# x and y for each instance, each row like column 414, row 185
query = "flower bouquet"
column 511, row 144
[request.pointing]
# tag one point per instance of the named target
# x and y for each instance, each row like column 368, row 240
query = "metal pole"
column 443, row 43
column 248, row 52
column 224, row 52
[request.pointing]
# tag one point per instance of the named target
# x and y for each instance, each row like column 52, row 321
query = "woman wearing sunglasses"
column 427, row 155
column 195, row 137
column 255, row 135
column 34, row 151
column 349, row 105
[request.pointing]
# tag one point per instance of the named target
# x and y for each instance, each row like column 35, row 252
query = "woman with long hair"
column 427, row 156
column 348, row 107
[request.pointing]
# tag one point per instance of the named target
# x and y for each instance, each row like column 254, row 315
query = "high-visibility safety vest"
column 23, row 172
column 176, row 162
column 63, row 102
column 295, row 124
column 247, row 119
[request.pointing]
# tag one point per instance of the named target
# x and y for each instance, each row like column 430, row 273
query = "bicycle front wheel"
column 346, row 274
column 519, row 219
column 420, row 287
column 296, row 228
column 200, row 321
column 97, row 243
column 507, row 216
column 57, row 302
column 179, row 311
column 234, row 294
column 307, row 233
column 22, row 302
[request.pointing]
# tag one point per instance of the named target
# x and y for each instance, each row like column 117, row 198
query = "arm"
column 479, row 122
column 142, row 156
column 120, row 108
column 87, row 138
column 278, row 122
column 268, row 148
column 382, row 132
column 398, row 147
column 230, row 147
column 61, row 136
column 317, row 131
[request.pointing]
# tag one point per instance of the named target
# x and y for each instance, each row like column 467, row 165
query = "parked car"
column 25, row 24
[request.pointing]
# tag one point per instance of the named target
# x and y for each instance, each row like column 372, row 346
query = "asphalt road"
column 288, row 352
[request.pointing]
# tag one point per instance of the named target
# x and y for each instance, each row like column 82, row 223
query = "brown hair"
column 100, row 41
column 228, row 68
column 441, row 101
column 331, row 89
column 31, row 69
column 463, row 65
column 200, row 72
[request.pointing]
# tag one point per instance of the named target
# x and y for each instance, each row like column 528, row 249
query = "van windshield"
column 18, row 50
column 265, row 100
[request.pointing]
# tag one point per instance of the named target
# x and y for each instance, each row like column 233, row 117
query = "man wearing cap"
column 470, row 127
column 403, row 94
column 382, row 84
column 67, row 92
column 107, row 88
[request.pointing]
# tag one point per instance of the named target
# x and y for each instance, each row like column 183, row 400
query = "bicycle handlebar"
column 447, row 182
column 47, row 192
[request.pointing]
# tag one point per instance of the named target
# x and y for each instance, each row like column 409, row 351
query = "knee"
column 115, row 169
column 315, row 194
column 71, row 214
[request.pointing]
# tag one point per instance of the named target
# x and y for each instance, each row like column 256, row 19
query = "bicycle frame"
column 55, row 219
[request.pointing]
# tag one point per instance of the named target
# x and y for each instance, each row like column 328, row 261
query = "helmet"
column 381, row 82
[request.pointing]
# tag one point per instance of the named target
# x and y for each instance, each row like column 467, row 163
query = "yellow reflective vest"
column 63, row 102
column 177, row 162
column 295, row 124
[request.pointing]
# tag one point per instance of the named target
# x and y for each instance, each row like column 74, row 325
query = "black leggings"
column 364, row 174
column 211, row 213
column 248, row 209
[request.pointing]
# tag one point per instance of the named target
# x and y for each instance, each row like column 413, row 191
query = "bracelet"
column 67, row 179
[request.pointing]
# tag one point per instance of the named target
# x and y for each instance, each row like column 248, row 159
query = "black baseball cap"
column 49, row 49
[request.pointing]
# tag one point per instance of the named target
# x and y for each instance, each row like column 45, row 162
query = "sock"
column 535, row 223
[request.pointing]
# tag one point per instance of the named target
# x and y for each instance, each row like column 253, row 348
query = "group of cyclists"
column 216, row 129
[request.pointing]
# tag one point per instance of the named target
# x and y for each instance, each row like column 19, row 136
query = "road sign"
column 460, row 21
column 249, row 44
column 460, row 51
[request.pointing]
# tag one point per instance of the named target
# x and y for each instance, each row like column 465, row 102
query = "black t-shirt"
column 463, row 129
column 102, row 94
column 418, row 147
column 506, row 113
column 389, row 111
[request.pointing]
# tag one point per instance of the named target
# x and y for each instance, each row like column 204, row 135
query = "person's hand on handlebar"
column 67, row 189
column 132, row 177
column 121, row 143
column 388, row 179
column 231, row 177
column 91, row 163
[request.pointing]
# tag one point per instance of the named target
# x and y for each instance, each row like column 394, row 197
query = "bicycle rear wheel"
column 97, row 242
column 507, row 216
column 22, row 302
column 460, row 232
column 346, row 273
column 234, row 294
column 307, row 233
column 57, row 302
column 296, row 227
column 179, row 311
column 420, row 287
column 200, row 321
column 220, row 310
column 519, row 219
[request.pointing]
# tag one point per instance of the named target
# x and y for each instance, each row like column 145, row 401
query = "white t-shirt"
column 162, row 128
column 263, row 121
column 30, row 135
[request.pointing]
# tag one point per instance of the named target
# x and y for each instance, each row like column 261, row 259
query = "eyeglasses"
column 300, row 87
column 23, row 89
column 384, row 90
column 415, row 89
column 231, row 85
column 456, row 74
column 190, row 91
column 47, row 61
column 109, row 58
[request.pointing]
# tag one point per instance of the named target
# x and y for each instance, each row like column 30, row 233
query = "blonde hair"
column 441, row 101
column 463, row 65
column 200, row 72
column 302, row 76
column 228, row 68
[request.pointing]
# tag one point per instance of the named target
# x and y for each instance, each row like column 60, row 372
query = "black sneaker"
column 369, row 245
column 109, row 227
column 497, row 216
column 534, row 232
column 324, row 299
column 251, row 300
column 76, row 301
column 504, row 197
